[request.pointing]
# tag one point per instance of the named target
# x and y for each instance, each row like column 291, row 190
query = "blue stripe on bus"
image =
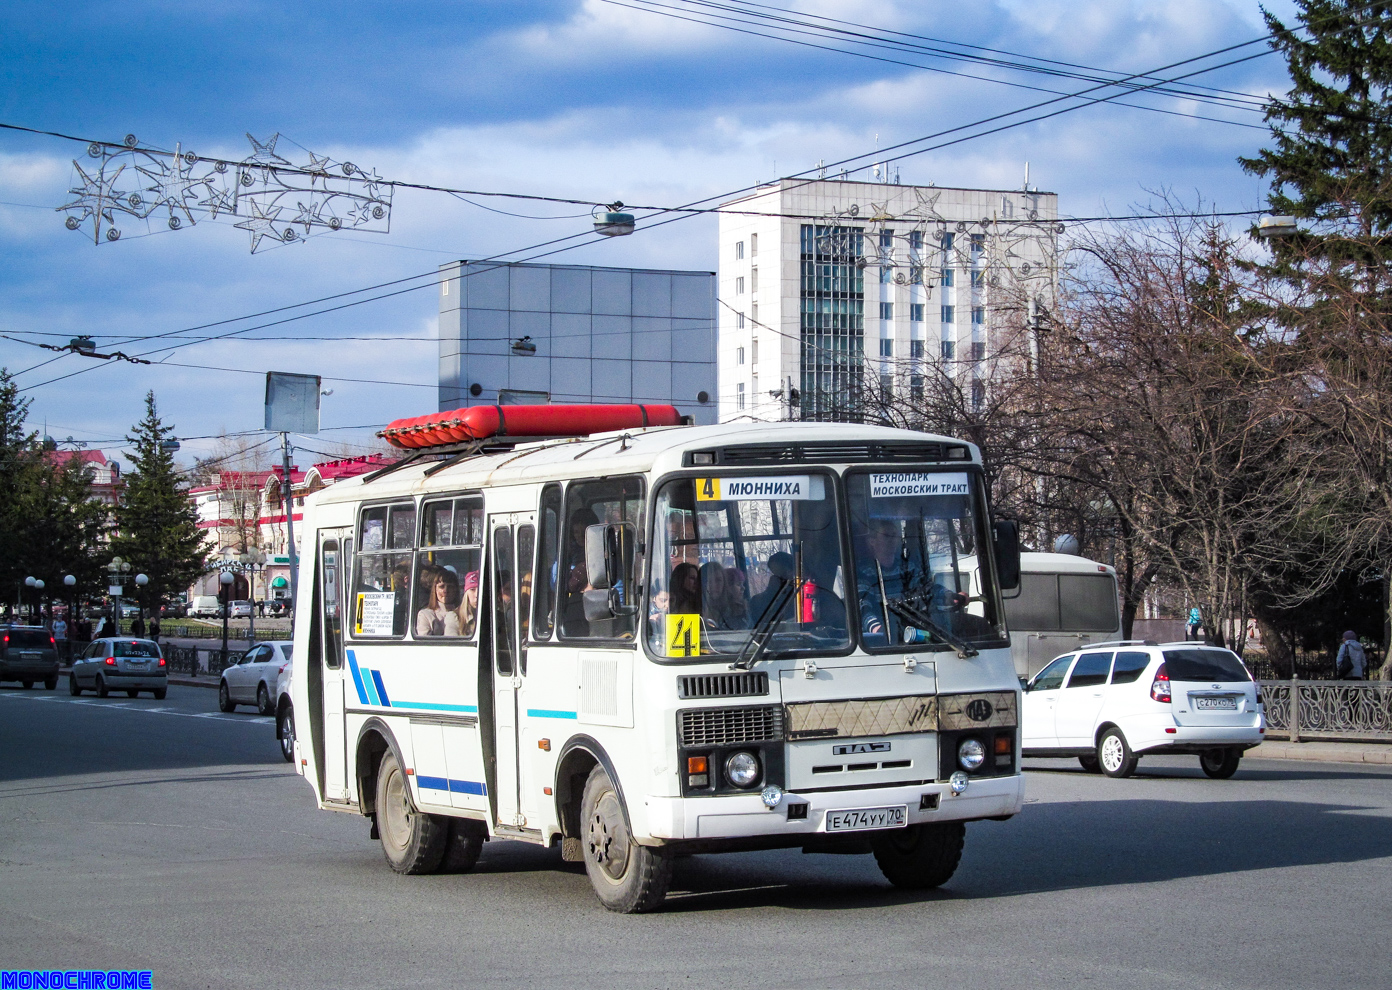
column 371, row 688
column 357, row 676
column 433, row 783
column 467, row 787
column 548, row 713
column 434, row 707
column 381, row 688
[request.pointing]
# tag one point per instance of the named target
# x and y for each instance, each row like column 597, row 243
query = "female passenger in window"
column 460, row 621
column 684, row 597
column 443, row 600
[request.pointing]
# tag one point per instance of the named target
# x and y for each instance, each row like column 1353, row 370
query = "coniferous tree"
column 157, row 525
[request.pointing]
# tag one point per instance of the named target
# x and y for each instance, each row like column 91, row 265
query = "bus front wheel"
column 920, row 857
column 627, row 877
column 412, row 842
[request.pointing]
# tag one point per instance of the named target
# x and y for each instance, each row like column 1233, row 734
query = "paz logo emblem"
column 978, row 710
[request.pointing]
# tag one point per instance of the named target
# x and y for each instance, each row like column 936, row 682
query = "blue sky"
column 582, row 99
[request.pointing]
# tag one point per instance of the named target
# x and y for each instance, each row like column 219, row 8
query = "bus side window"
column 548, row 565
column 381, row 596
column 447, row 570
column 588, row 503
column 504, row 633
column 526, row 551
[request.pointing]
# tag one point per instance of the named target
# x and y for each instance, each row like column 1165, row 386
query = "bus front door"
column 512, row 547
column 335, row 545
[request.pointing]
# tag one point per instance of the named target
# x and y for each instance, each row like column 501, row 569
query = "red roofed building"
column 106, row 475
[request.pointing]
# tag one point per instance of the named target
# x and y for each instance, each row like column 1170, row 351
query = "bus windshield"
column 730, row 551
column 916, row 539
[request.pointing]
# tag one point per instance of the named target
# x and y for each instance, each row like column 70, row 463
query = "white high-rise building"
column 823, row 282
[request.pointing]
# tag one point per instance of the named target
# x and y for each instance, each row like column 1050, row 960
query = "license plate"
column 1215, row 704
column 857, row 819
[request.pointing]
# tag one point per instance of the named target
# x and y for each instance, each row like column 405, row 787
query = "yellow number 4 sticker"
column 708, row 489
column 684, row 635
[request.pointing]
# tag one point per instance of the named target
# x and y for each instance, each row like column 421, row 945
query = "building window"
column 887, row 387
column 978, row 350
column 949, row 350
column 978, row 395
column 739, row 355
column 753, row 245
column 739, row 250
column 978, row 243
column 915, row 240
column 915, row 348
column 886, row 347
column 916, row 388
column 739, row 321
column 886, row 241
column 886, row 310
column 754, row 313
column 946, row 277
column 915, row 312
column 947, row 241
column 978, row 277
column 739, row 396
column 949, row 314
column 753, row 280
column 886, row 273
column 754, row 351
column 739, row 286
column 978, row 314
column 832, row 321
column 754, row 388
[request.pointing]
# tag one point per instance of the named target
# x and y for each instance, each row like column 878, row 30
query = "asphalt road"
column 164, row 835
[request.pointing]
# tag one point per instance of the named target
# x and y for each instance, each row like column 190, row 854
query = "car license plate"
column 1215, row 704
column 856, row 819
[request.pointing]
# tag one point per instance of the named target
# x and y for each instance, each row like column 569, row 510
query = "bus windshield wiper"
column 755, row 646
column 908, row 609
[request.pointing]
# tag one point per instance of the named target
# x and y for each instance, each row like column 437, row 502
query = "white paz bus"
column 596, row 627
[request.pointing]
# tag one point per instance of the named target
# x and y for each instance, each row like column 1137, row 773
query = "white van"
column 205, row 607
column 1064, row 602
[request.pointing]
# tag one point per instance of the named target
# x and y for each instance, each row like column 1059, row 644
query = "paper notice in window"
column 374, row 614
column 910, row 485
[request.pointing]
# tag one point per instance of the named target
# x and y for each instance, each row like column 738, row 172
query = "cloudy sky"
column 581, row 99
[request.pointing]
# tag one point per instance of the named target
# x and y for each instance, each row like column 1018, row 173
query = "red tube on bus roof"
column 482, row 422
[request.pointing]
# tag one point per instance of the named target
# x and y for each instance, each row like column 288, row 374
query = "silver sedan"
column 120, row 664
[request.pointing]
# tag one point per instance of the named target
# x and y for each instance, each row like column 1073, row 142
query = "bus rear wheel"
column 411, row 842
column 465, row 844
column 920, row 857
column 627, row 878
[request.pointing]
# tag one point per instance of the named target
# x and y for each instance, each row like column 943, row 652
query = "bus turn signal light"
column 696, row 764
column 1003, row 745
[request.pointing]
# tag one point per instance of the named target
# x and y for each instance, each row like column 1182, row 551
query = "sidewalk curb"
column 194, row 682
column 1323, row 752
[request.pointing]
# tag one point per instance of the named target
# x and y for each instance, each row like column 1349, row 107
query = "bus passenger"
column 736, row 598
column 714, row 596
column 460, row 621
column 685, row 594
column 443, row 600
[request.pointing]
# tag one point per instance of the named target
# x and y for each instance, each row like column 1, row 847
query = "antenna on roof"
column 1026, row 176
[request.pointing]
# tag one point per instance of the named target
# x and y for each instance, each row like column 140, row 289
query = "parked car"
column 285, row 711
column 28, row 654
column 278, row 606
column 120, row 663
column 1112, row 703
column 240, row 610
column 205, row 607
column 173, row 610
column 129, row 610
column 253, row 679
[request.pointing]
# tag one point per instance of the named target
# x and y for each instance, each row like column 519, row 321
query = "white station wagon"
column 1112, row 703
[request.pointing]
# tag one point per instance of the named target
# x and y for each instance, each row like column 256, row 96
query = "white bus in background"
column 1064, row 602
column 659, row 640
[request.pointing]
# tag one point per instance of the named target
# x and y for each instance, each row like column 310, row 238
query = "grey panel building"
column 599, row 335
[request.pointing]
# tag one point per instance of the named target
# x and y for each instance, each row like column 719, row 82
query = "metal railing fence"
column 1350, row 711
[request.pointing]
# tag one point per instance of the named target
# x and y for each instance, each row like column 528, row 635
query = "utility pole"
column 290, row 523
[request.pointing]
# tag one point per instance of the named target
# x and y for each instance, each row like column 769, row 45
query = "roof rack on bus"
column 1122, row 642
column 474, row 423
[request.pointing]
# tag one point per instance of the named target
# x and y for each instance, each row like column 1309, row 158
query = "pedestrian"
column 60, row 635
column 1195, row 624
column 154, row 630
column 261, row 608
column 1350, row 664
column 84, row 630
column 138, row 626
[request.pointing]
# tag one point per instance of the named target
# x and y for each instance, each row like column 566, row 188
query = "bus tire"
column 920, row 857
column 412, row 842
column 464, row 845
column 627, row 878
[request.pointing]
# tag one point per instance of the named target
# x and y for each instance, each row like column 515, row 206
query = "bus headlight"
column 742, row 769
column 971, row 754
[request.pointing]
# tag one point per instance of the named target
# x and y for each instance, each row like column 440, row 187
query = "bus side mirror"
column 608, row 561
column 1006, row 537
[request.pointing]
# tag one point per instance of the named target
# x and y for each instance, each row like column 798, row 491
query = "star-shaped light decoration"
column 95, row 197
column 264, row 153
column 309, row 214
column 260, row 224
column 318, row 168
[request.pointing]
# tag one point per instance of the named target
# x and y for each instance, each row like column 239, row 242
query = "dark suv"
column 28, row 654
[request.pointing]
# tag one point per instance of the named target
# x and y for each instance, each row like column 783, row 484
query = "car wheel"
column 1220, row 764
column 465, row 844
column 411, row 841
column 920, row 857
column 225, row 702
column 160, row 693
column 26, row 684
column 1090, row 764
column 52, row 683
column 263, row 701
column 102, row 691
column 627, row 877
column 286, row 733
column 1115, row 756
column 131, row 692
column 73, row 688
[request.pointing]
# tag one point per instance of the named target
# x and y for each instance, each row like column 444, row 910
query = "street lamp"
column 116, row 570
column 38, row 598
column 70, row 582
column 250, row 560
column 225, row 579
column 28, row 583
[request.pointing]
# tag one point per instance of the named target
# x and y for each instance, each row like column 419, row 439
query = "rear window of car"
column 135, row 648
column 289, row 650
column 1204, row 665
column 28, row 639
column 1129, row 666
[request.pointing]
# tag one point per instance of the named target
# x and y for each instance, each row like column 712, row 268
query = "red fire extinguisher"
column 807, row 610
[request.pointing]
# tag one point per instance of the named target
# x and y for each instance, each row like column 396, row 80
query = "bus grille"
column 723, row 726
column 746, row 684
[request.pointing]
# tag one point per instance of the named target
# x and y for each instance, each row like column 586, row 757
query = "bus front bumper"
column 744, row 816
